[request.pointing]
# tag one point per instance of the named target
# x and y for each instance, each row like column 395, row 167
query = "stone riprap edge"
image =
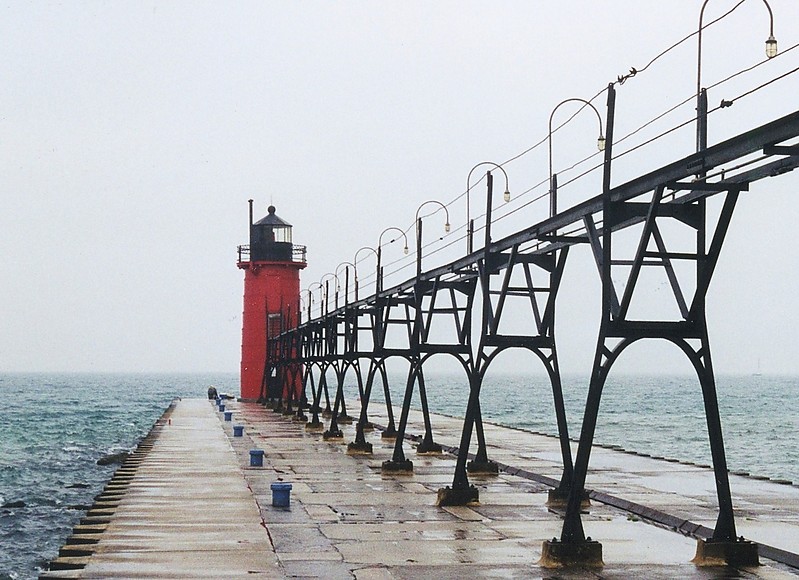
column 80, row 546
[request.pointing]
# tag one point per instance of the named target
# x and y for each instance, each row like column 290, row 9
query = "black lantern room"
column 270, row 238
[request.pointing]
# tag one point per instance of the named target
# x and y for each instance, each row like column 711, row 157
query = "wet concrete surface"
column 197, row 509
column 373, row 525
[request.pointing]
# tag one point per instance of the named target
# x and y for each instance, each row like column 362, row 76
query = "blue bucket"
column 281, row 494
column 228, row 415
column 256, row 458
column 221, row 408
column 238, row 430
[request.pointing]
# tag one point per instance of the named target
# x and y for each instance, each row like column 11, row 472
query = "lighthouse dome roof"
column 272, row 220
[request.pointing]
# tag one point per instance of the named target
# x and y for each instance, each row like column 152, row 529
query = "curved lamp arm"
column 379, row 277
column 418, row 222
column 346, row 278
column 701, row 103
column 771, row 42
column 600, row 143
column 505, row 196
column 310, row 292
column 355, row 258
column 388, row 229
column 446, row 212
column 346, row 264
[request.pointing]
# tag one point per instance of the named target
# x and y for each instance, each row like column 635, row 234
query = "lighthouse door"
column 274, row 380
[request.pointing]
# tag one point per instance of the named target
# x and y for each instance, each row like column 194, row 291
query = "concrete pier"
column 186, row 512
column 195, row 508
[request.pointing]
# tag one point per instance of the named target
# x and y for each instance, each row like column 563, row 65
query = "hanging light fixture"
column 771, row 47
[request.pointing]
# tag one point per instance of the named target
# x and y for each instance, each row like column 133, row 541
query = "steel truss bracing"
column 468, row 299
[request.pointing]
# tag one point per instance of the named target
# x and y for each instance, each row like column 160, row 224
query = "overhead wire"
column 620, row 80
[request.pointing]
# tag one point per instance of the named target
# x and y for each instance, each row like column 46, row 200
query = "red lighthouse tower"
column 271, row 265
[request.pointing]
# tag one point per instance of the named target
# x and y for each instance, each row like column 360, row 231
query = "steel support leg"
column 315, row 423
column 559, row 495
column 361, row 445
column 481, row 463
column 398, row 461
column 427, row 445
column 333, row 431
column 391, row 430
column 461, row 493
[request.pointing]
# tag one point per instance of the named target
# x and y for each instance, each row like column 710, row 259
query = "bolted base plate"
column 485, row 467
column 720, row 553
column 333, row 434
column 556, row 554
column 356, row 448
column 398, row 466
column 448, row 496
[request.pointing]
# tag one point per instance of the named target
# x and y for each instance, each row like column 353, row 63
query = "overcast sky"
column 133, row 133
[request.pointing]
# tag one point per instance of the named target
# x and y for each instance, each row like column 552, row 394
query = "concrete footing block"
column 557, row 554
column 448, row 496
column 484, row 467
column 389, row 433
column 722, row 553
column 392, row 466
column 559, row 499
column 332, row 434
column 314, row 426
column 359, row 448
column 429, row 448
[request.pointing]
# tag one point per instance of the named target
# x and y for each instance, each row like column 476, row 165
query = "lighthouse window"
column 273, row 325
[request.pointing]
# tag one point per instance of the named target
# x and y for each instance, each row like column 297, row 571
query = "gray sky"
column 132, row 135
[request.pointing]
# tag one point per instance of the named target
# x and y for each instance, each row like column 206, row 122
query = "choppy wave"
column 59, row 427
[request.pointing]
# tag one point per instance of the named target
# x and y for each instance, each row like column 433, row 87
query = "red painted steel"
column 271, row 298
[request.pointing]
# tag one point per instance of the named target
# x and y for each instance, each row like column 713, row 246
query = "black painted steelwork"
column 470, row 296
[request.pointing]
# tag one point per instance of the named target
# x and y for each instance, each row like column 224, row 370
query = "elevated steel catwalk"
column 470, row 293
column 763, row 139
